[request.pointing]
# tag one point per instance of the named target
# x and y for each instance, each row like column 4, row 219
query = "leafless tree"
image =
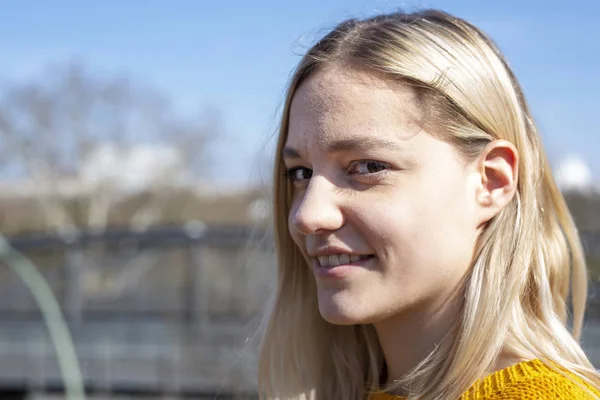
column 50, row 128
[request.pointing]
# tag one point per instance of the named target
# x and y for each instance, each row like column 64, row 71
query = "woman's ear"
column 497, row 175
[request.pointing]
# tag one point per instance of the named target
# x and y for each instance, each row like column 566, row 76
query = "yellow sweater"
column 523, row 381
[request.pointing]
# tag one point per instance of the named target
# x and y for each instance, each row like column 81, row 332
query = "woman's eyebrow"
column 351, row 144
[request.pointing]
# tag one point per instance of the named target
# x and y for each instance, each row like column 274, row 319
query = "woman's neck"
column 407, row 339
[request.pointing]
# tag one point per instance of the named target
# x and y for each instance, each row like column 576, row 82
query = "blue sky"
column 236, row 56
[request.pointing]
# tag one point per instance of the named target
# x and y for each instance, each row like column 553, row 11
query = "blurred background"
column 135, row 147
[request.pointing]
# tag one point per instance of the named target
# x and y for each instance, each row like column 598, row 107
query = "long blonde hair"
column 517, row 293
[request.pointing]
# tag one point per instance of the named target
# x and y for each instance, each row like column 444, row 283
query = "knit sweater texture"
column 523, row 381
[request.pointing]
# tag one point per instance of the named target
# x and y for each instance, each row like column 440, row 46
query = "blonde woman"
column 424, row 249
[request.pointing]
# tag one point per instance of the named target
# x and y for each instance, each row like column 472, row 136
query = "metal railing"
column 167, row 311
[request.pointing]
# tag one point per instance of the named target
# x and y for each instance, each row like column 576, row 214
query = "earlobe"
column 498, row 171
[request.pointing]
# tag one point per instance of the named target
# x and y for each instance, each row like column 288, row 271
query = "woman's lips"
column 341, row 270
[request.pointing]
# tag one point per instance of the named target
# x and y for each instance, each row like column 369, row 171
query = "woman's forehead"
column 339, row 110
column 351, row 100
column 337, row 89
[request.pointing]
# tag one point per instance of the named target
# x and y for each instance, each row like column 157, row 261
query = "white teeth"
column 339, row 259
column 334, row 260
column 344, row 258
column 324, row 261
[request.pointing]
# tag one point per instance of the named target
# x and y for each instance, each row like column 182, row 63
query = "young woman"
column 424, row 248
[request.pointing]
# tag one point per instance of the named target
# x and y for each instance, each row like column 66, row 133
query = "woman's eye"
column 367, row 167
column 362, row 168
column 298, row 174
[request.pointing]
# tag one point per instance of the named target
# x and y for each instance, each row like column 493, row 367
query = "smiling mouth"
column 341, row 259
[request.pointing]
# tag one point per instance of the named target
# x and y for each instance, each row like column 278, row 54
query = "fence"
column 166, row 312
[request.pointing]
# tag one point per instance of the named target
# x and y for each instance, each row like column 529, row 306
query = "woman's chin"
column 342, row 313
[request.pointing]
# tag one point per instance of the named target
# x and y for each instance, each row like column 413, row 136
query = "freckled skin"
column 417, row 215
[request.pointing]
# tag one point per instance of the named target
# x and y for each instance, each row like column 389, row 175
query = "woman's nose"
column 318, row 209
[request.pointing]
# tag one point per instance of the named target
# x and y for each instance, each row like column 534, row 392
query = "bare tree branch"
column 50, row 127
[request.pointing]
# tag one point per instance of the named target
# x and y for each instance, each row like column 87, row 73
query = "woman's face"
column 383, row 211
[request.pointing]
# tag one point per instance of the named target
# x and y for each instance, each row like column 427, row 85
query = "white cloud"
column 135, row 168
column 573, row 173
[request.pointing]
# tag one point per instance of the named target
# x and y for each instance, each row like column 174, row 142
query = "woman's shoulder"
column 526, row 380
column 532, row 379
